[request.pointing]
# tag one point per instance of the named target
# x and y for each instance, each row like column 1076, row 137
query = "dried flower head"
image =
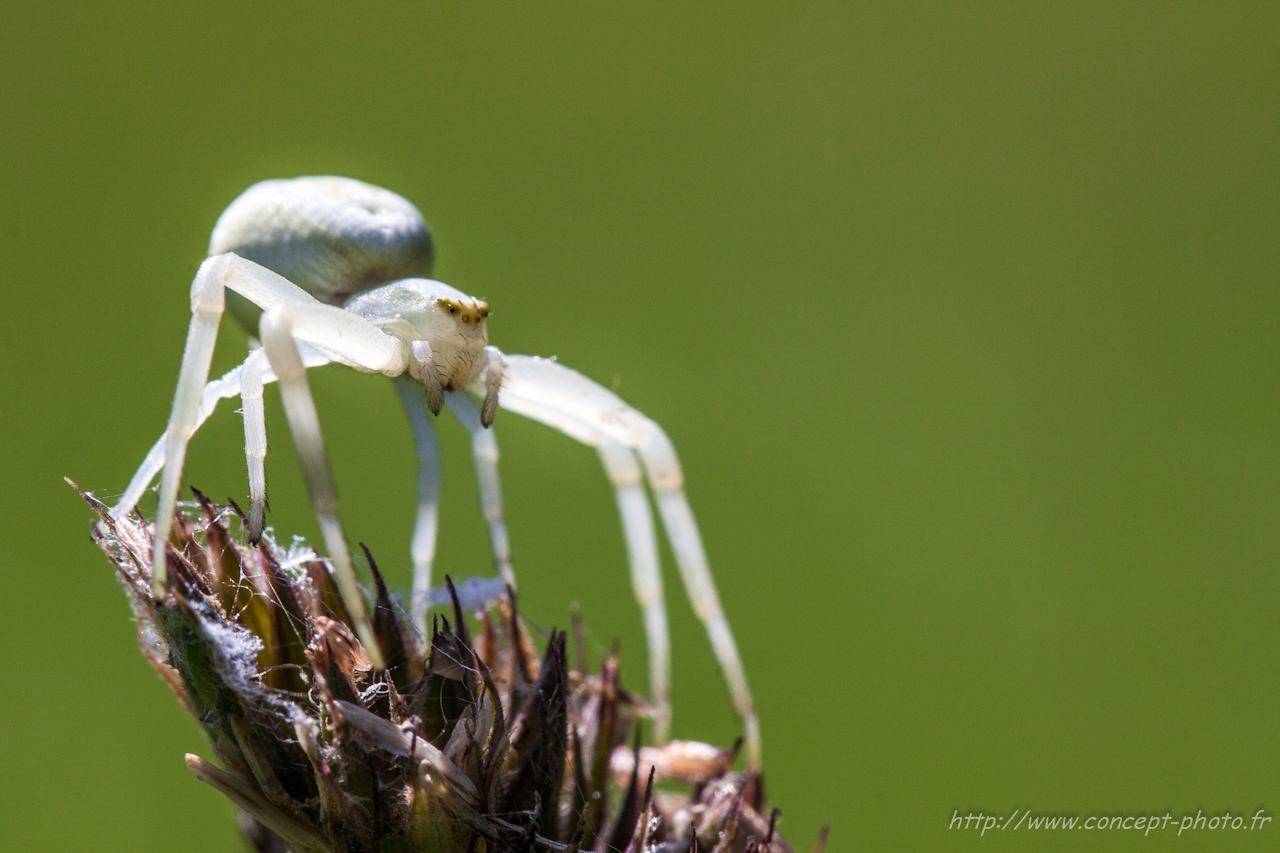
column 460, row 744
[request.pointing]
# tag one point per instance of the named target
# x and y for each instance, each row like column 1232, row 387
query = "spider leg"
column 423, row 546
column 225, row 386
column 208, row 299
column 255, row 440
column 228, row 385
column 646, row 575
column 338, row 334
column 363, row 344
column 567, row 400
column 484, row 448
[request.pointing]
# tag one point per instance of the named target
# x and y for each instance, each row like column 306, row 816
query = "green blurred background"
column 964, row 321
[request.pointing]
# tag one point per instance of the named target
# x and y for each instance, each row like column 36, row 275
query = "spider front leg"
column 294, row 314
column 208, row 299
column 366, row 346
column 567, row 400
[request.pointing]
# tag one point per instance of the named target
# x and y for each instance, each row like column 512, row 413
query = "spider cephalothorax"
column 328, row 269
column 445, row 331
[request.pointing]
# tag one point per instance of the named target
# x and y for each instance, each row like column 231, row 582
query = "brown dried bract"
column 453, row 748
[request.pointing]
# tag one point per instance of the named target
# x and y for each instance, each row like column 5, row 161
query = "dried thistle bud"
column 459, row 745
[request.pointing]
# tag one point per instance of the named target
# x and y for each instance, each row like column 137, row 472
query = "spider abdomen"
column 333, row 237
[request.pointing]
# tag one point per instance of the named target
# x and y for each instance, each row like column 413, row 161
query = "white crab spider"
column 282, row 259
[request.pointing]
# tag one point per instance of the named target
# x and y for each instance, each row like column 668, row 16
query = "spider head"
column 419, row 309
column 469, row 314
